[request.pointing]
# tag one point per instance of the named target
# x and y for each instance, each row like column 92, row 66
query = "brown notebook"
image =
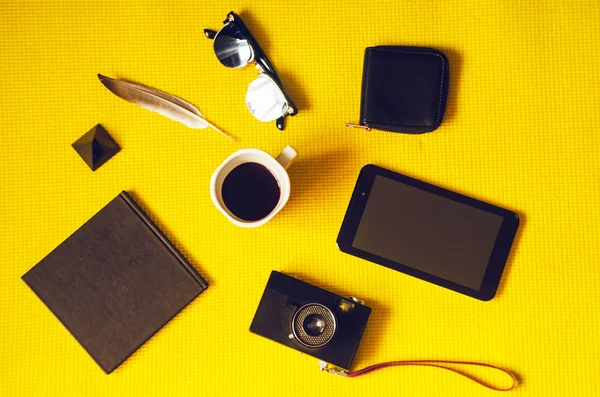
column 115, row 282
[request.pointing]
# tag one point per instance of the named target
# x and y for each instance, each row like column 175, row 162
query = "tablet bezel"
column 498, row 258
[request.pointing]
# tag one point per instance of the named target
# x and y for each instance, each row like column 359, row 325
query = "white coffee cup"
column 277, row 167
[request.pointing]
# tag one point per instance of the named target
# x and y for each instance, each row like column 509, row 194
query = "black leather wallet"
column 404, row 89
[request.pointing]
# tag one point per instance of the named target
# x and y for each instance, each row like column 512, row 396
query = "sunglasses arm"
column 280, row 123
column 210, row 34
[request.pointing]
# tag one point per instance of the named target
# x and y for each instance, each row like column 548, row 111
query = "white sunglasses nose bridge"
column 265, row 100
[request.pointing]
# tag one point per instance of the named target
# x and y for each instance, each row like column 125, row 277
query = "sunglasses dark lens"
column 231, row 48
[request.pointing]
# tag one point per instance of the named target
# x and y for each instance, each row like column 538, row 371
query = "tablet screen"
column 431, row 233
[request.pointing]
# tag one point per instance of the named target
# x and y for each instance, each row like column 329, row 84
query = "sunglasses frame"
column 262, row 62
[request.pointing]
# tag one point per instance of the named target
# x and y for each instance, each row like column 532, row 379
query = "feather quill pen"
column 160, row 102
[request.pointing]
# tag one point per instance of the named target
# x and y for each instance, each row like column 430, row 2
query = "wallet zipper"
column 369, row 128
column 364, row 127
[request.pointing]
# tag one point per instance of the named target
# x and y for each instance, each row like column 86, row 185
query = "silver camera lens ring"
column 313, row 325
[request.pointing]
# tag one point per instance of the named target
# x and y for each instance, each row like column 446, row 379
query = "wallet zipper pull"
column 350, row 125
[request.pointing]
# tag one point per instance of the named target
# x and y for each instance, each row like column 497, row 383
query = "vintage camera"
column 310, row 319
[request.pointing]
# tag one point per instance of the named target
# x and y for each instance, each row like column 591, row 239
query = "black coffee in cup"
column 250, row 192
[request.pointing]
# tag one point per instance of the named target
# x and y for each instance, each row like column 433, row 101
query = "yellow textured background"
column 521, row 131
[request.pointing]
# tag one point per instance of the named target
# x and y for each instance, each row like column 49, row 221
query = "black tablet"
column 429, row 232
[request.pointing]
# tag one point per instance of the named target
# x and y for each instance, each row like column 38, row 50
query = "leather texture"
column 115, row 282
column 404, row 89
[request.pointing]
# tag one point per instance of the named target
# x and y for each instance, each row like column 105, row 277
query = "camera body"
column 310, row 319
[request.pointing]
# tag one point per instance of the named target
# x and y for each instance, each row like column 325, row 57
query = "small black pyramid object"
column 96, row 147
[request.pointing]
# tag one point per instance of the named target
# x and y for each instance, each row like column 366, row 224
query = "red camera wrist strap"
column 442, row 364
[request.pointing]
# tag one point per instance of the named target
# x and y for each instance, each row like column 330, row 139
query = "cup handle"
column 287, row 157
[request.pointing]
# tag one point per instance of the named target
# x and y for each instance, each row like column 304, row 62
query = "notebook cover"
column 115, row 282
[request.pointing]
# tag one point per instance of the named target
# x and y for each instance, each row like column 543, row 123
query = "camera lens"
column 313, row 325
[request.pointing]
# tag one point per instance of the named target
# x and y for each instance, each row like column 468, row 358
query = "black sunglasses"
column 235, row 48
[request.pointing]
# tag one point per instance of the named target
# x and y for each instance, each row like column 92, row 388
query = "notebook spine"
column 166, row 242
